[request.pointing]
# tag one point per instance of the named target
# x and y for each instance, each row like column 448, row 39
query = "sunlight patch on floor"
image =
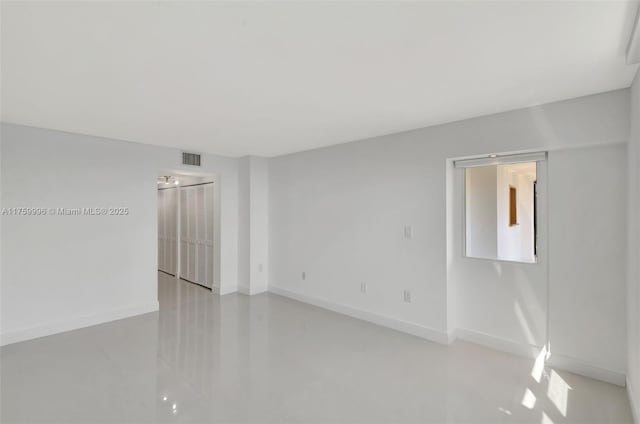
column 538, row 366
column 558, row 392
column 529, row 399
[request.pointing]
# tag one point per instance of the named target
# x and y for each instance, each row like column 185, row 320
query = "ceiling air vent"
column 190, row 159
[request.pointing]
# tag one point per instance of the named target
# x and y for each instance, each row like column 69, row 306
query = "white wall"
column 1, row 206
column 254, row 228
column 244, row 227
column 481, row 211
column 339, row 214
column 259, row 224
column 633, row 277
column 587, row 236
column 65, row 272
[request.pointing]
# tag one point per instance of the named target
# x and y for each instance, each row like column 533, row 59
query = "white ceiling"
column 273, row 78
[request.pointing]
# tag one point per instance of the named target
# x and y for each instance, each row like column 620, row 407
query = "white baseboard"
column 75, row 323
column 259, row 289
column 634, row 402
column 252, row 290
column 555, row 360
column 384, row 321
column 226, row 289
column 452, row 336
column 586, row 369
column 497, row 343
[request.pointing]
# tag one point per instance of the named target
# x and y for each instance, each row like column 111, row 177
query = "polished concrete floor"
column 267, row 359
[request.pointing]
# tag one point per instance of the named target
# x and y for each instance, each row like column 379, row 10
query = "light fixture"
column 167, row 179
column 493, row 156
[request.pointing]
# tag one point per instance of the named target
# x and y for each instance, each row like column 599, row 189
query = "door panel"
column 167, row 208
column 196, row 209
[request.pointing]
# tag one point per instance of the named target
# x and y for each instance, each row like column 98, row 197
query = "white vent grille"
column 192, row 159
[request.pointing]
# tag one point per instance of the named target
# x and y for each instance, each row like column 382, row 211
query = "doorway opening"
column 188, row 229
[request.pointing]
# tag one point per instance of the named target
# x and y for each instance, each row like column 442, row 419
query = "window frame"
column 494, row 160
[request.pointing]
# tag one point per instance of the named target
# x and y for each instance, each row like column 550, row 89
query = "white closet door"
column 161, row 234
column 172, row 230
column 196, row 238
column 208, row 233
column 167, row 237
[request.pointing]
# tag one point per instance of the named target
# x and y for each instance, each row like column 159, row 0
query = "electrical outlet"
column 408, row 232
column 407, row 296
column 304, row 275
column 363, row 287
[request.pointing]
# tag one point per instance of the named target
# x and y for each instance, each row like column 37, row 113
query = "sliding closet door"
column 167, row 230
column 196, row 238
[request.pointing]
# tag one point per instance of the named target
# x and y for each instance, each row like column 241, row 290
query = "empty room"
column 328, row 212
